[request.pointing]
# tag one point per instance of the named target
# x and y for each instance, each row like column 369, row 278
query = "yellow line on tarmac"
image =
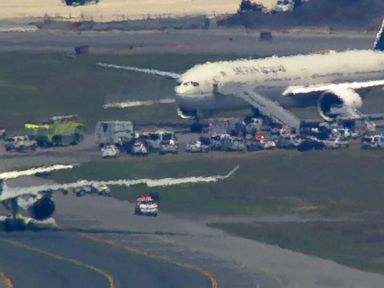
column 6, row 280
column 212, row 280
column 76, row 262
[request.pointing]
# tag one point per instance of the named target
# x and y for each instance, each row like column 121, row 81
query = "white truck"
column 119, row 133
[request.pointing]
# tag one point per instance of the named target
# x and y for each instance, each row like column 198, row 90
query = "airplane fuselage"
column 211, row 87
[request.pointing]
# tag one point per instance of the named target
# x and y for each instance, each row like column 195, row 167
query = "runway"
column 65, row 259
column 236, row 41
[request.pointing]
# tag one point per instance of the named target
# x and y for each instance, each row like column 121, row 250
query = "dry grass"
column 108, row 10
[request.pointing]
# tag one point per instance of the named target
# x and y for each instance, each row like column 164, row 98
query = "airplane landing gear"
column 17, row 224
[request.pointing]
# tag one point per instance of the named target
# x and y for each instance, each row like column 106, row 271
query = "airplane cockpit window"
column 193, row 83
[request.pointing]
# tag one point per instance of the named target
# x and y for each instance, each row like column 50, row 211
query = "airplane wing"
column 12, row 193
column 33, row 171
column 300, row 90
column 142, row 70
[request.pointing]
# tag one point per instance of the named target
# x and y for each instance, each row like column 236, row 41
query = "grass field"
column 327, row 183
column 356, row 244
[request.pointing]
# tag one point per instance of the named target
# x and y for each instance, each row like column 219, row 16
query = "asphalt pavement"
column 66, row 259
column 216, row 41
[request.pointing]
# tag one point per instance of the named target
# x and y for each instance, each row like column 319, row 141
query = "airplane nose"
column 178, row 90
column 183, row 91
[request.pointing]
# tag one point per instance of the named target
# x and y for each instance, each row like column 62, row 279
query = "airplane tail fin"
column 379, row 43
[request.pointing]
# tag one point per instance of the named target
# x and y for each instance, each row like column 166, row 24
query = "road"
column 65, row 259
column 188, row 239
column 236, row 41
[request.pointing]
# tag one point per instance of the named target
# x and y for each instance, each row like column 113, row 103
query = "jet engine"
column 43, row 208
column 339, row 102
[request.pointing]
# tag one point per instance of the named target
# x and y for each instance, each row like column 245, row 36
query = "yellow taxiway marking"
column 6, row 280
column 76, row 262
column 212, row 280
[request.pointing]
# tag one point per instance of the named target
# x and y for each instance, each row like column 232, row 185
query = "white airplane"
column 334, row 81
column 37, row 200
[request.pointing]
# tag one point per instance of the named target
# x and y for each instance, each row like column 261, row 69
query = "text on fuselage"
column 247, row 70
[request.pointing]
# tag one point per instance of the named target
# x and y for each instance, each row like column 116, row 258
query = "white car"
column 102, row 189
column 372, row 141
column 269, row 145
column 337, row 143
column 146, row 205
column 109, row 151
column 168, row 147
column 196, row 147
column 139, row 149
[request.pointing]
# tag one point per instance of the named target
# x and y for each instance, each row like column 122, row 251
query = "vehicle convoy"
column 119, row 133
column 97, row 189
column 56, row 131
column 146, row 205
column 19, row 144
column 162, row 141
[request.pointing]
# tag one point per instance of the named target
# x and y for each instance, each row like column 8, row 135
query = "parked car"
column 373, row 141
column 139, row 149
column 109, row 151
column 95, row 189
column 234, row 144
column 290, row 142
column 197, row 147
column 169, row 146
column 20, row 143
column 336, row 143
column 310, row 143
